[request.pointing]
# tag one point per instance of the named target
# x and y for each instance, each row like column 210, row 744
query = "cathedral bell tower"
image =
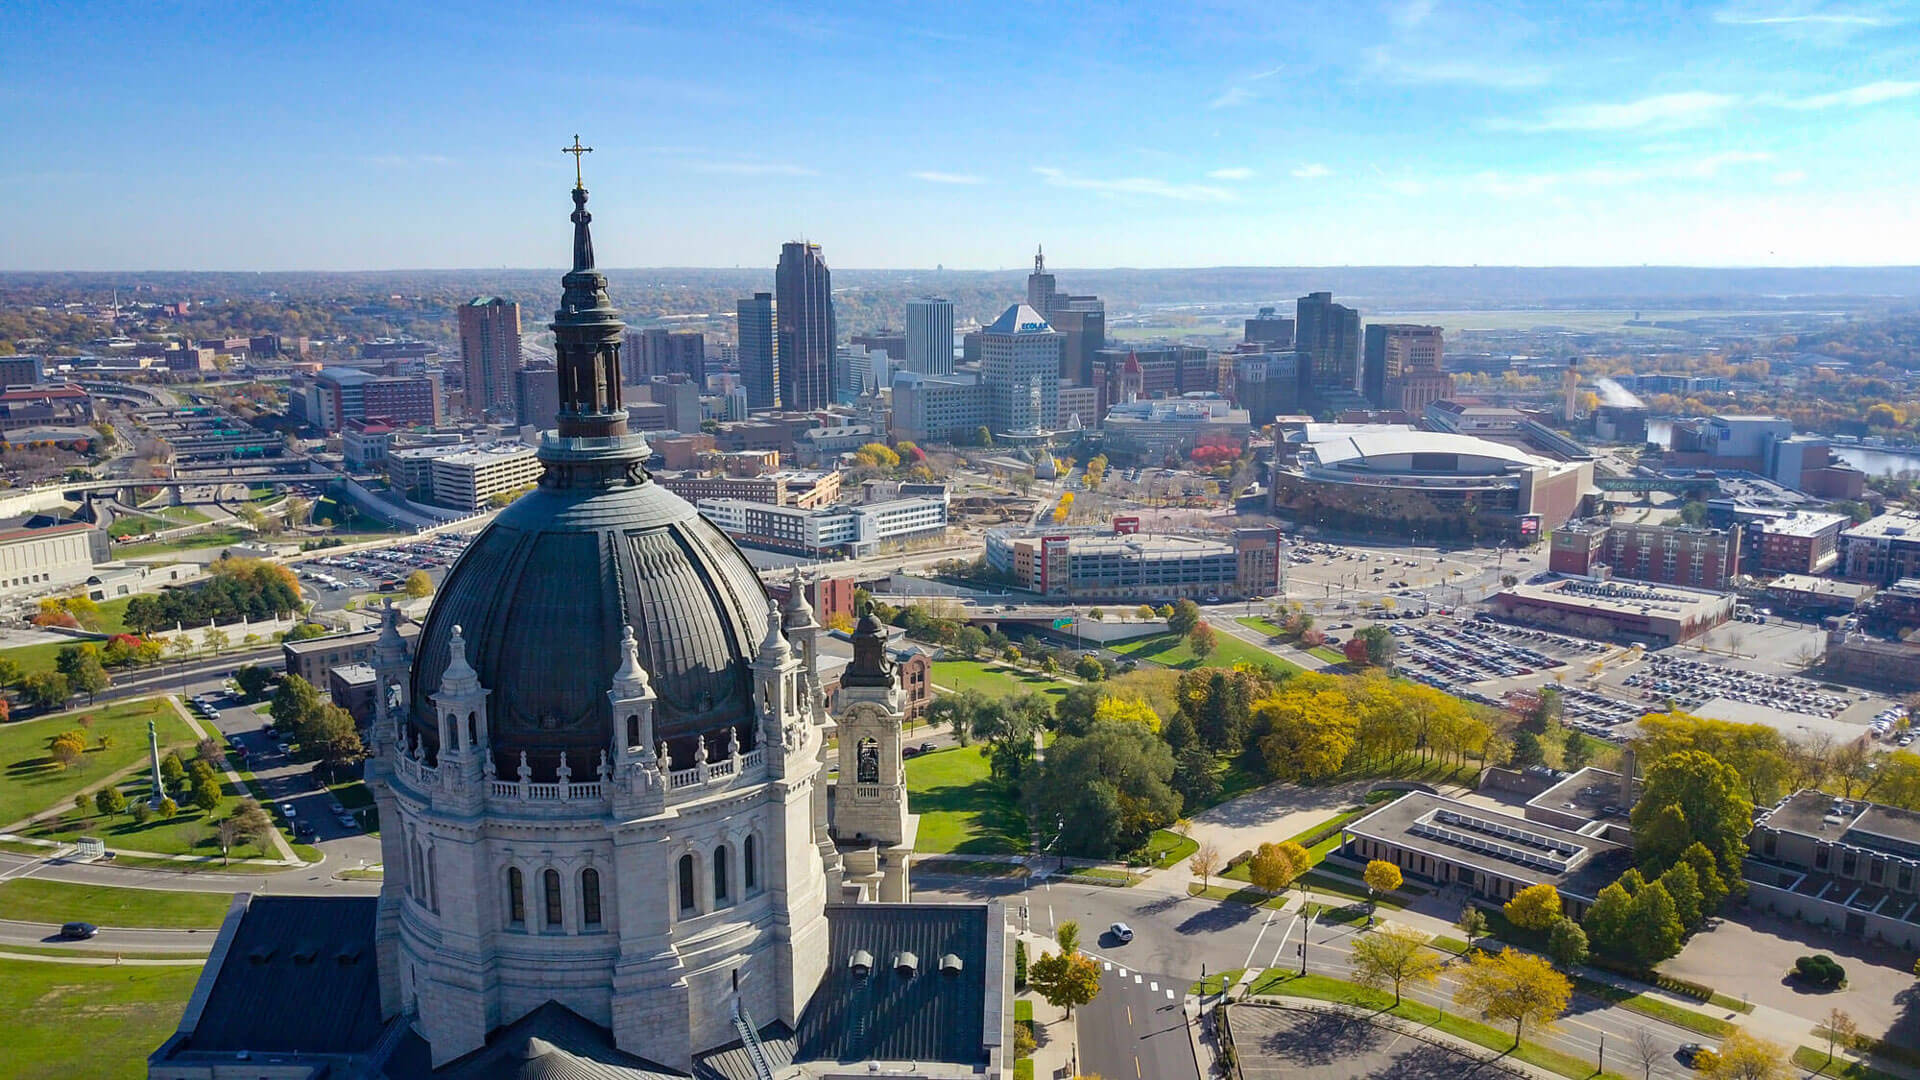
column 875, row 833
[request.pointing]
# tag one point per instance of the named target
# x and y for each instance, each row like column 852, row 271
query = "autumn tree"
column 1202, row 640
column 68, row 748
column 1381, row 876
column 1065, row 980
column 1205, row 862
column 1839, row 1027
column 1536, row 907
column 1394, row 957
column 1748, row 1057
column 1275, row 866
column 419, row 584
column 1516, row 987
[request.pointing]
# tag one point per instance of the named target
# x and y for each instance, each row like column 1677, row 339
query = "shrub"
column 1238, row 860
column 1019, row 965
column 1820, row 970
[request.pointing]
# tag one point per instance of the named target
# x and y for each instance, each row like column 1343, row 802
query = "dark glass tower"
column 759, row 365
column 803, row 288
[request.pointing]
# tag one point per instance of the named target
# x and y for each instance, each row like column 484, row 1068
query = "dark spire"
column 870, row 666
column 587, row 332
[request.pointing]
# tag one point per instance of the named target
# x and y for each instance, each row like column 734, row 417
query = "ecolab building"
column 1125, row 564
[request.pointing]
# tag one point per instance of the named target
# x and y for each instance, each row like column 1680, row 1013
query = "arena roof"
column 1376, row 449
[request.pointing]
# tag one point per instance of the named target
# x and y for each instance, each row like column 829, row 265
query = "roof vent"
column 905, row 964
column 348, row 956
column 950, row 965
column 304, row 954
column 861, row 962
column 261, row 955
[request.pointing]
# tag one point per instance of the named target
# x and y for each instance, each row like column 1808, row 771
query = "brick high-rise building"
column 1667, row 554
column 489, row 354
column 759, row 359
column 1395, row 350
column 804, row 327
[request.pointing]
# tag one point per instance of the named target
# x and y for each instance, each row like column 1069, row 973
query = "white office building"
column 1020, row 363
column 466, row 481
column 930, row 335
column 849, row 530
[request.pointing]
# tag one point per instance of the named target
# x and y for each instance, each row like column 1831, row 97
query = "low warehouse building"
column 1848, row 866
column 1660, row 615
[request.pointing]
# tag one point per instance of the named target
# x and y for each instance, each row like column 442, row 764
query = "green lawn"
column 189, row 832
column 961, row 809
column 1329, row 654
column 211, row 538
column 185, row 515
column 1326, row 988
column 66, row 1020
column 1170, row 650
column 34, row 783
column 1254, row 622
column 1166, row 847
column 993, row 679
column 40, row 900
column 1658, row 1008
column 353, row 794
column 136, row 524
column 32, row 659
column 1816, row 1063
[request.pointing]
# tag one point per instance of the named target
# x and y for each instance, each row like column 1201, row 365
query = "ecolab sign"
column 1126, row 526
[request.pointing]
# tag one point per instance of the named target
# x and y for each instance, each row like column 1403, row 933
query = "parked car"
column 287, row 811
column 1696, row 1055
column 1121, row 932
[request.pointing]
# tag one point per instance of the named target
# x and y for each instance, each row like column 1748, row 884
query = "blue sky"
column 366, row 136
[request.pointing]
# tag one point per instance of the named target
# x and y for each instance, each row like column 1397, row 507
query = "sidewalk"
column 279, row 842
column 1056, row 1037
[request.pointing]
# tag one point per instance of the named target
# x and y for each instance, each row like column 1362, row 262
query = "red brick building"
column 1668, row 554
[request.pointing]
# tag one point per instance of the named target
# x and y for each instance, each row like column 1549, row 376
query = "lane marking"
column 1256, row 938
column 1153, row 987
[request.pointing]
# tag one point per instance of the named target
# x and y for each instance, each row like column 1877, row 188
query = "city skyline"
column 1751, row 132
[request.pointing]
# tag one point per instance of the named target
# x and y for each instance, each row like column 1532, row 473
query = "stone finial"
column 733, row 742
column 666, row 759
column 630, row 677
column 488, row 767
column 774, row 648
column 459, row 674
column 700, row 751
column 526, row 771
column 799, row 612
column 605, row 772
column 564, row 773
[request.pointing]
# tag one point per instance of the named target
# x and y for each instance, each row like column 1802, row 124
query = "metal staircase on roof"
column 750, row 1041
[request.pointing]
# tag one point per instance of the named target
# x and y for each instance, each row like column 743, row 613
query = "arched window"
column 749, row 873
column 550, row 883
column 473, row 729
column 633, row 731
column 516, row 897
column 686, row 884
column 720, row 874
column 590, row 897
column 453, row 732
column 867, row 761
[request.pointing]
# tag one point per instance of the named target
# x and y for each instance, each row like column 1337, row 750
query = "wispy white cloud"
column 1705, row 167
column 1267, row 74
column 1232, row 97
column 1857, row 97
column 947, row 177
column 1411, row 14
column 1137, row 185
column 753, row 168
column 1236, row 173
column 1661, row 112
column 1801, row 15
column 1313, row 170
column 1384, row 63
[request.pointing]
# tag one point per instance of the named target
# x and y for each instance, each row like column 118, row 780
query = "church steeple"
column 586, row 334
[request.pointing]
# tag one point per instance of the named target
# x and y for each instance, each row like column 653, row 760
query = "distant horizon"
column 1060, row 270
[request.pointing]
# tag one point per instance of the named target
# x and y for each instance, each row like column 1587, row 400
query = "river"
column 1870, row 460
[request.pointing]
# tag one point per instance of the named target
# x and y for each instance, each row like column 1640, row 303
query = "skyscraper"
column 1394, row 350
column 1268, row 328
column 490, row 354
column 804, row 328
column 1020, row 363
column 1040, row 284
column 1080, row 320
column 1328, row 341
column 659, row 351
column 929, row 336
column 759, row 363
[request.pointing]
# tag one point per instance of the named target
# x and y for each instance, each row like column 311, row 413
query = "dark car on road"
column 75, row 931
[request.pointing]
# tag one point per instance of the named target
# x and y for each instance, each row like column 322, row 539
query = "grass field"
column 1254, row 622
column 34, row 783
column 1658, row 1008
column 1166, row 847
column 993, row 680
column 962, row 811
column 1816, row 1063
column 189, row 832
column 39, row 900
column 67, row 1020
column 1170, row 650
column 136, row 524
column 1325, row 988
column 210, row 538
column 1330, row 655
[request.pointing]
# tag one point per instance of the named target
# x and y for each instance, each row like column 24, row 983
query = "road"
column 109, row 941
column 1176, row 935
column 1136, row 1027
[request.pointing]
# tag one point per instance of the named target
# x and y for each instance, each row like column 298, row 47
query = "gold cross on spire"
column 576, row 150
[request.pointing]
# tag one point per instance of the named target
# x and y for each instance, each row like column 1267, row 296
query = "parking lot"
column 382, row 569
column 1691, row 683
column 294, row 794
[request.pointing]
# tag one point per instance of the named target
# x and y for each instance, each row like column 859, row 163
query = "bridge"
column 203, row 478
column 1671, row 485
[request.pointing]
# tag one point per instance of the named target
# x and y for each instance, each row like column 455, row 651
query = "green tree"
column 1064, row 980
column 1381, row 644
column 330, row 732
column 109, row 801
column 9, row 673
column 1606, row 921
column 293, row 702
column 168, row 808
column 253, row 680
column 1184, row 617
column 1535, row 907
column 1706, row 872
column 141, row 811
column 89, row 677
column 1567, row 943
column 1394, row 956
column 1473, row 923
column 1108, row 788
column 173, row 772
column 47, row 689
column 207, row 794
column 1683, row 884
column 1654, row 931
column 1068, row 935
column 1513, row 986
column 1691, row 796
